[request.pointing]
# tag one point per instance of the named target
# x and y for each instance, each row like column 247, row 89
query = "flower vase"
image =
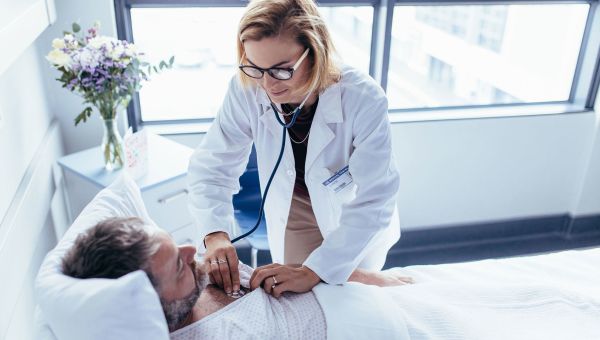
column 112, row 146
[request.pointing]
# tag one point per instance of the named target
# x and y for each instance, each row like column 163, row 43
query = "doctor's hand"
column 276, row 279
column 222, row 262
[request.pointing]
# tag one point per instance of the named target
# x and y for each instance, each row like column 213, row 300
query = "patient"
column 193, row 307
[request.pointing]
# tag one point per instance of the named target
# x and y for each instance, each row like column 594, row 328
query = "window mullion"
column 588, row 79
column 124, row 32
column 381, row 41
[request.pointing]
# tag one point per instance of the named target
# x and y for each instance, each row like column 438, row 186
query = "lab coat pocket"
column 342, row 185
column 341, row 188
column 321, row 198
column 347, row 194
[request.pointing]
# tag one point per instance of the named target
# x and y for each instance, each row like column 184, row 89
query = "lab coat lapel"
column 329, row 111
column 267, row 117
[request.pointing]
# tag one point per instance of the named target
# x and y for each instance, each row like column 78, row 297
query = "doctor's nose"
column 268, row 81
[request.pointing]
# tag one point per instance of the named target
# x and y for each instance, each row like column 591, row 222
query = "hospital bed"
column 554, row 296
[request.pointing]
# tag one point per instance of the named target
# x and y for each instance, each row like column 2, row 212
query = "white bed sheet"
column 552, row 296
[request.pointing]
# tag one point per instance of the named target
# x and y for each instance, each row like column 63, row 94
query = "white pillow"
column 100, row 309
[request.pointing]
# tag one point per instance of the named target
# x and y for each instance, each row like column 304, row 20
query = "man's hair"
column 111, row 249
column 300, row 20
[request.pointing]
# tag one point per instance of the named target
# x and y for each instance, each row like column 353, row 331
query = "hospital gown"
column 550, row 297
column 258, row 315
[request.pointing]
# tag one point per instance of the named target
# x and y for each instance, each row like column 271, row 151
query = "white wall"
column 589, row 193
column 26, row 115
column 462, row 171
column 26, row 230
column 477, row 170
column 66, row 104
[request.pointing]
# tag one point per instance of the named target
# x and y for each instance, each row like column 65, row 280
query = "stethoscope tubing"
column 283, row 137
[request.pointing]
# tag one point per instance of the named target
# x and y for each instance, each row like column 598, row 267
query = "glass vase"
column 112, row 146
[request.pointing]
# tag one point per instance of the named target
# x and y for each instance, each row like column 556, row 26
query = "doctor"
column 331, row 207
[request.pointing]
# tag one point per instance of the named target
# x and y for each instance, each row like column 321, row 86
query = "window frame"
column 584, row 86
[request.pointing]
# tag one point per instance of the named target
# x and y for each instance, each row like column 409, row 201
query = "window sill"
column 505, row 111
column 407, row 116
column 187, row 128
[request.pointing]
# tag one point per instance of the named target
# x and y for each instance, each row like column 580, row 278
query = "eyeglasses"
column 275, row 72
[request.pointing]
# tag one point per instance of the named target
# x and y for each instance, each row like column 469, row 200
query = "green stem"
column 113, row 147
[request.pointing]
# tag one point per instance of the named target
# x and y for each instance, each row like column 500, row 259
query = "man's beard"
column 177, row 311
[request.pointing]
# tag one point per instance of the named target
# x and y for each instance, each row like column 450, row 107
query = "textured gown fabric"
column 258, row 315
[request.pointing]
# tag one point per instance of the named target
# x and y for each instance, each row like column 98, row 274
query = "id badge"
column 339, row 180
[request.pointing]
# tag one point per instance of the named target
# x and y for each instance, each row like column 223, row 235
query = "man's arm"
column 364, row 276
column 376, row 278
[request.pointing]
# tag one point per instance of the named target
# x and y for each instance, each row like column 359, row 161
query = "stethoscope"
column 285, row 126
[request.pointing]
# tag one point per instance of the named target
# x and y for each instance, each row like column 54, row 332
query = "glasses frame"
column 271, row 70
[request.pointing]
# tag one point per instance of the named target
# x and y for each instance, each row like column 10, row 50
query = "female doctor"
column 331, row 207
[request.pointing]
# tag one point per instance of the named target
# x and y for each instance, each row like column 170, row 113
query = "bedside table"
column 163, row 187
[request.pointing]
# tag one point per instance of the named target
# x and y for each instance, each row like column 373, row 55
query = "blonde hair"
column 300, row 20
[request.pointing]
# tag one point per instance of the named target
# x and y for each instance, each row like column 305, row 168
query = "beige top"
column 302, row 234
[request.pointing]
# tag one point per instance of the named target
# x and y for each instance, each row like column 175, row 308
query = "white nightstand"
column 163, row 187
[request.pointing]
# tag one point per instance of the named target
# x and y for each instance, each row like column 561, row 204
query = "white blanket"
column 555, row 296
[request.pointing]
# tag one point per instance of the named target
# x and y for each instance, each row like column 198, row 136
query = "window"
column 206, row 61
column 483, row 54
column 425, row 54
column 351, row 30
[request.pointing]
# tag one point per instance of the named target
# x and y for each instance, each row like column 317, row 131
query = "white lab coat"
column 359, row 224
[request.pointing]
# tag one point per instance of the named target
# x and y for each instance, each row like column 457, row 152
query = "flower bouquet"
column 106, row 72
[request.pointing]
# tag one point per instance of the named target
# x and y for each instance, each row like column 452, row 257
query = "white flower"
column 87, row 57
column 68, row 41
column 116, row 53
column 59, row 58
column 98, row 42
column 130, row 50
column 58, row 43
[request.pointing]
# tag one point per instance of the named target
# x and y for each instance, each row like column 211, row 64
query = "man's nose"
column 188, row 252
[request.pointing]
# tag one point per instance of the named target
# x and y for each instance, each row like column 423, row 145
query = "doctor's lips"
column 277, row 94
